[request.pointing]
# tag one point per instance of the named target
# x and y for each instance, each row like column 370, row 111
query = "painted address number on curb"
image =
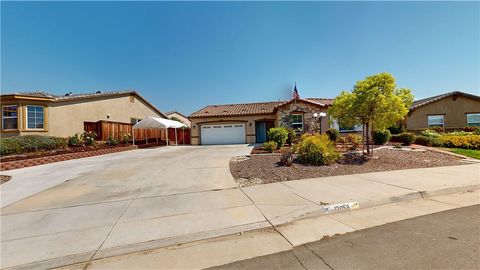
column 341, row 207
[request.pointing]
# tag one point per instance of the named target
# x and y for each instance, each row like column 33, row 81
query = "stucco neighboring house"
column 249, row 122
column 179, row 116
column 453, row 110
column 46, row 114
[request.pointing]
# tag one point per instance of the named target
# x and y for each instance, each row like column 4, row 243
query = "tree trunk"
column 367, row 141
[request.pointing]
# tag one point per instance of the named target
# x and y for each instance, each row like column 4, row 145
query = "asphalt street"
column 444, row 240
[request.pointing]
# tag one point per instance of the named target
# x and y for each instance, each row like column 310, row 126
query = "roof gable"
column 425, row 101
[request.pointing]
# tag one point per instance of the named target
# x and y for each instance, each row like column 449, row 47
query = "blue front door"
column 261, row 131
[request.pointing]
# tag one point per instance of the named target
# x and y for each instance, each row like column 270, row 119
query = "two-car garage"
column 223, row 134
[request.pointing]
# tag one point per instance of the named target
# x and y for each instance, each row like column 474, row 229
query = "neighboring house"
column 46, row 114
column 178, row 116
column 249, row 122
column 452, row 110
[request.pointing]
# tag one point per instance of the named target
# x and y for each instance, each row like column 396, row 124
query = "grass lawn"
column 466, row 152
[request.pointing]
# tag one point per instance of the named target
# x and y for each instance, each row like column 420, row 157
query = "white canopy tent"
column 158, row 123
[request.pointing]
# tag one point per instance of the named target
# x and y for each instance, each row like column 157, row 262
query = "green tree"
column 374, row 103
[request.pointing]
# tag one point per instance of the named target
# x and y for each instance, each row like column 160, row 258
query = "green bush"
column 75, row 140
column 404, row 138
column 9, row 146
column 112, row 141
column 270, row 146
column 422, row 140
column 429, row 133
column 279, row 135
column 30, row 143
column 333, row 134
column 464, row 141
column 317, row 150
column 89, row 138
column 292, row 136
column 381, row 136
column 397, row 129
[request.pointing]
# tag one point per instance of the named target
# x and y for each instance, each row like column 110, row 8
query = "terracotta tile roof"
column 326, row 101
column 422, row 102
column 257, row 108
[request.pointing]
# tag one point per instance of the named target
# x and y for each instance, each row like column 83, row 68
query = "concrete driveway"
column 123, row 202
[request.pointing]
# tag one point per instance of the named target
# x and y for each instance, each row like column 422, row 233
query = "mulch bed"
column 263, row 169
column 67, row 150
column 4, row 178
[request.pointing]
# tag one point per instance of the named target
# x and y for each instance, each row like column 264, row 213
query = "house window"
column 35, row 117
column 473, row 119
column 9, row 117
column 133, row 121
column 346, row 128
column 297, row 121
column 436, row 121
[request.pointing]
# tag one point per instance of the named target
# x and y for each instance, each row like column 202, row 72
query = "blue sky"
column 185, row 55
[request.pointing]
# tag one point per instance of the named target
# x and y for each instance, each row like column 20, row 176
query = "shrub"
column 9, row 146
column 429, row 133
column 317, row 150
column 279, row 135
column 287, row 157
column 75, row 140
column 112, row 141
column 464, row 141
column 381, row 136
column 406, row 138
column 354, row 139
column 126, row 137
column 30, row 143
column 270, row 146
column 397, row 129
column 292, row 135
column 89, row 138
column 333, row 134
column 438, row 129
column 422, row 140
column 471, row 128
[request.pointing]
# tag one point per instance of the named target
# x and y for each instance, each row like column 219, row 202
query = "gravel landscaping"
column 263, row 169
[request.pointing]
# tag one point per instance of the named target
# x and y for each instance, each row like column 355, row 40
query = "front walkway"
column 152, row 198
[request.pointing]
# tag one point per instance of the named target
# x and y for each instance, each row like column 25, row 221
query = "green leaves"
column 375, row 100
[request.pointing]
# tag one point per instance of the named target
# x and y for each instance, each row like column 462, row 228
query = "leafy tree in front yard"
column 374, row 103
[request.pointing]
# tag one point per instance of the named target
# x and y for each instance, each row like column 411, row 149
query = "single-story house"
column 249, row 122
column 453, row 110
column 62, row 116
column 178, row 116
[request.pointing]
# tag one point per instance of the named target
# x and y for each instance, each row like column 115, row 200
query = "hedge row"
column 30, row 143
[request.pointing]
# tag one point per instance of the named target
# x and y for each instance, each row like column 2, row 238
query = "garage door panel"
column 223, row 134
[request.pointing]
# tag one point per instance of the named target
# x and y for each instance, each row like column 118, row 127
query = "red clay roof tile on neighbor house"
column 256, row 108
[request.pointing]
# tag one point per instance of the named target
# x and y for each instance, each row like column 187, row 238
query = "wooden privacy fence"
column 105, row 129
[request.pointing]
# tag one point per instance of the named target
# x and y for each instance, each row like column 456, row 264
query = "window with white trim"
column 35, row 117
column 9, row 117
column 473, row 119
column 297, row 121
column 436, row 121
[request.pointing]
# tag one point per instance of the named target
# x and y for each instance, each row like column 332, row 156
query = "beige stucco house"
column 453, row 110
column 178, row 116
column 249, row 122
column 62, row 116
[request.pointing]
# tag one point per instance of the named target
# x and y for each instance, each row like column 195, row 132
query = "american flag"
column 295, row 94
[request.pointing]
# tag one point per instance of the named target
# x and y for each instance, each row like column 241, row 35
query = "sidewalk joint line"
column 318, row 256
column 258, row 209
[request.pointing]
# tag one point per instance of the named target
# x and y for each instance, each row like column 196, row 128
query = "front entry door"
column 261, row 131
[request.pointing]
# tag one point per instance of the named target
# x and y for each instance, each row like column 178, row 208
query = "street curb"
column 174, row 241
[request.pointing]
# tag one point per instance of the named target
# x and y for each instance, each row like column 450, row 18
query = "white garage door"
column 223, row 134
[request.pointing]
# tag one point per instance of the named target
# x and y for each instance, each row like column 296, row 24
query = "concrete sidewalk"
column 52, row 236
column 285, row 238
